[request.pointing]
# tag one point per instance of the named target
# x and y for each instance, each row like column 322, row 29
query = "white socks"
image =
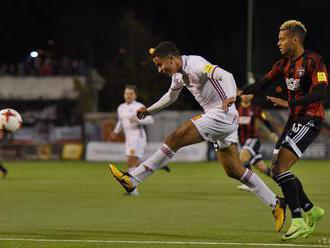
column 160, row 158
column 258, row 187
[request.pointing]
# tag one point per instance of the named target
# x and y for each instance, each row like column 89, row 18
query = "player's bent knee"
column 277, row 169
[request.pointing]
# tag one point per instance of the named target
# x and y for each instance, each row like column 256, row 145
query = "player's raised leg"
column 186, row 134
column 229, row 158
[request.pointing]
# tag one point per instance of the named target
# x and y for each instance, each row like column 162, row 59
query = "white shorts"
column 135, row 147
column 217, row 126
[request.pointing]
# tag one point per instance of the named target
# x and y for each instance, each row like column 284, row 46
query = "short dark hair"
column 296, row 28
column 165, row 49
column 131, row 87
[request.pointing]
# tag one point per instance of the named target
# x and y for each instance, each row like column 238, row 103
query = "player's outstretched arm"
column 162, row 103
column 265, row 81
column 146, row 121
column 319, row 93
column 255, row 88
column 278, row 102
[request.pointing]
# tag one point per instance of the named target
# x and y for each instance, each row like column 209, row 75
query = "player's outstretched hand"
column 278, row 101
column 228, row 102
column 239, row 92
column 142, row 113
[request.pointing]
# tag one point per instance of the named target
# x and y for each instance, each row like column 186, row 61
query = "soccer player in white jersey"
column 135, row 135
column 213, row 88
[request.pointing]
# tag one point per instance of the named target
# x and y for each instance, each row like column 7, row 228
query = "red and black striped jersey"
column 247, row 120
column 301, row 75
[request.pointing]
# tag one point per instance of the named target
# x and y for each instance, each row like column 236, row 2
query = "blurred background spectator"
column 42, row 63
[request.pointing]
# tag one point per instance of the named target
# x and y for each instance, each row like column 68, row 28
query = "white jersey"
column 205, row 81
column 211, row 86
column 135, row 135
column 128, row 121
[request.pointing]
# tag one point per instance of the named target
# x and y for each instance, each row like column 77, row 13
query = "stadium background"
column 88, row 52
column 68, row 94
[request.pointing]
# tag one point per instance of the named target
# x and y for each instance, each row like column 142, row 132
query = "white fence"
column 114, row 152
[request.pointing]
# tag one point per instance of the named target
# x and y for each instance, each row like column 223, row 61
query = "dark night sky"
column 213, row 29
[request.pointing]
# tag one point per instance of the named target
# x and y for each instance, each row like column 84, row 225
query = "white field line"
column 200, row 243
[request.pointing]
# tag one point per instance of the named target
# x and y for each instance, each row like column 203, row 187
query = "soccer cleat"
column 279, row 213
column 298, row 228
column 166, row 168
column 4, row 173
column 123, row 178
column 243, row 187
column 312, row 216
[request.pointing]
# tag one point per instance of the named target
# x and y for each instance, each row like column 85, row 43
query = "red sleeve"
column 317, row 71
column 276, row 71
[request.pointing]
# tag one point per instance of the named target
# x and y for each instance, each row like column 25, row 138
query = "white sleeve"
column 214, row 72
column 227, row 79
column 147, row 121
column 171, row 95
column 119, row 125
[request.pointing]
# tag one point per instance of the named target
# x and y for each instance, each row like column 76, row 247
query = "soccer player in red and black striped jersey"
column 250, row 154
column 307, row 80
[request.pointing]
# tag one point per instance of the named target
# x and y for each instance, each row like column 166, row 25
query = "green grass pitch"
column 52, row 202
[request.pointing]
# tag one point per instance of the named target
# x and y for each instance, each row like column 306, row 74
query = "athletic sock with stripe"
column 160, row 158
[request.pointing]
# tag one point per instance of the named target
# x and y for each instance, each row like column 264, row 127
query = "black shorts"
column 299, row 133
column 253, row 146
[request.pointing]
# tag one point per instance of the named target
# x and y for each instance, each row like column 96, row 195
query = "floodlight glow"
column 34, row 54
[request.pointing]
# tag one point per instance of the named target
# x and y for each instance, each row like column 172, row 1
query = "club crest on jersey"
column 301, row 71
column 292, row 83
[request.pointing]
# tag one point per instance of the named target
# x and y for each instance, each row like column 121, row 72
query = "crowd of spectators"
column 44, row 66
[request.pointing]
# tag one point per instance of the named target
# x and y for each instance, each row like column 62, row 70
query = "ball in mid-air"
column 10, row 120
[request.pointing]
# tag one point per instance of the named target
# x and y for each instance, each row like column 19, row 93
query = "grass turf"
column 195, row 202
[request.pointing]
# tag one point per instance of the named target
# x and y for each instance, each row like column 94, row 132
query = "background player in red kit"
column 306, row 79
column 250, row 154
